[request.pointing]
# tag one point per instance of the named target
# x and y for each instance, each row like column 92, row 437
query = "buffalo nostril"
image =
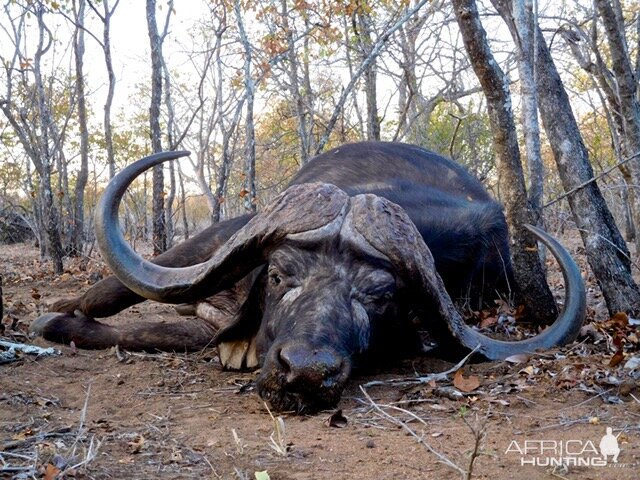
column 308, row 366
column 284, row 361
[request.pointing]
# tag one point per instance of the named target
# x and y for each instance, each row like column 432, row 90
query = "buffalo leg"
column 85, row 332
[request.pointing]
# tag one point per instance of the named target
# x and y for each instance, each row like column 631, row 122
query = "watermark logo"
column 554, row 453
column 609, row 446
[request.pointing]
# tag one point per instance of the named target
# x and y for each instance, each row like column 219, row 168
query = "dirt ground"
column 113, row 414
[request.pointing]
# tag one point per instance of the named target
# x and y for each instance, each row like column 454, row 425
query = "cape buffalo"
column 369, row 243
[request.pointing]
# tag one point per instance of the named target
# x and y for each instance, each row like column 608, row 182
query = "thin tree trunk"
column 362, row 25
column 50, row 214
column 158, row 213
column 525, row 31
column 77, row 236
column 105, row 17
column 627, row 89
column 249, row 190
column 349, row 59
column 169, row 221
column 528, row 270
column 183, row 203
column 294, row 86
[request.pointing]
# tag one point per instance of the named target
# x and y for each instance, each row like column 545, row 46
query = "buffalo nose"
column 307, row 366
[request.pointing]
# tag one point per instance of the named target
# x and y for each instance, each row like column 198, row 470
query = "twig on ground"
column 419, row 438
column 425, row 378
column 565, row 424
column 479, row 430
column 90, row 453
column 597, row 395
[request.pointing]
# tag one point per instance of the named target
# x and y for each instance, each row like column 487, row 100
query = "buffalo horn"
column 304, row 211
column 390, row 231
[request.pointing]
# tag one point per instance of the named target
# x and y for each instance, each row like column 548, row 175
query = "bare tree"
column 377, row 48
column 520, row 17
column 626, row 80
column 304, row 136
column 363, row 28
column 34, row 134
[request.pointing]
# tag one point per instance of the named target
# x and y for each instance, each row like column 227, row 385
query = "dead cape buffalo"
column 369, row 243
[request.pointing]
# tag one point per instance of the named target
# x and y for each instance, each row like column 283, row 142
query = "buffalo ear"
column 237, row 341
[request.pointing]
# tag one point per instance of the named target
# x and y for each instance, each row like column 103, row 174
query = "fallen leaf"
column 617, row 358
column 135, row 446
column 488, row 322
column 619, row 319
column 337, row 420
column 529, row 370
column 517, row 358
column 465, row 384
column 262, row 475
column 50, row 472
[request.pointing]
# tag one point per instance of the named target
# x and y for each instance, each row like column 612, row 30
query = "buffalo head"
column 336, row 275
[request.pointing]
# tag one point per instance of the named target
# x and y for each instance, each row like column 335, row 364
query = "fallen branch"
column 419, row 438
column 11, row 348
column 425, row 378
column 39, row 437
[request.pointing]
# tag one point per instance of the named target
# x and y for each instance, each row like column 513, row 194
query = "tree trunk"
column 105, row 17
column 50, row 219
column 168, row 205
column 78, row 237
column 524, row 36
column 627, row 91
column 294, row 86
column 183, row 203
column 528, row 270
column 158, row 213
column 362, row 26
column 606, row 250
column 249, row 190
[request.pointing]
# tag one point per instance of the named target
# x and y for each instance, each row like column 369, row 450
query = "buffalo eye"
column 382, row 299
column 379, row 299
column 375, row 288
column 274, row 276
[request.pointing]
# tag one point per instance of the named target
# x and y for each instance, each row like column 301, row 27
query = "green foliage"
column 464, row 134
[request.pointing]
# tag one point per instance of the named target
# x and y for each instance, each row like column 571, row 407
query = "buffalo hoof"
column 75, row 327
column 40, row 325
column 186, row 309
